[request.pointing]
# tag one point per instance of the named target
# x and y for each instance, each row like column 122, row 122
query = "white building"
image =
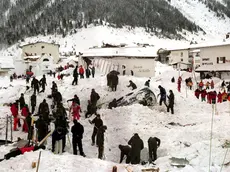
column 41, row 49
column 6, row 65
column 39, row 65
column 139, row 60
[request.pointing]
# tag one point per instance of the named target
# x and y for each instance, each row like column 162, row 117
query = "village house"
column 40, row 57
column 215, row 60
column 6, row 65
column 209, row 59
column 41, row 49
column 136, row 61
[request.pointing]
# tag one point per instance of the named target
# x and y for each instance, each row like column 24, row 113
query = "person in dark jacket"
column 35, row 85
column 75, row 99
column 100, row 140
column 54, row 87
column 171, row 102
column 57, row 135
column 94, row 97
column 61, row 111
column 147, row 83
column 42, row 127
column 61, row 122
column 57, row 97
column 22, row 101
column 87, row 72
column 97, row 124
column 153, row 144
column 131, row 84
column 125, row 150
column 163, row 95
column 136, row 146
column 75, row 76
column 113, row 104
column 173, row 80
column 114, row 82
column 33, row 102
column 93, row 71
column 43, row 83
column 90, row 110
column 30, row 128
column 43, row 107
column 77, row 130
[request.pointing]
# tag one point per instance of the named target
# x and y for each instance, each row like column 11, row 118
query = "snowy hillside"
column 189, row 138
column 96, row 36
column 215, row 27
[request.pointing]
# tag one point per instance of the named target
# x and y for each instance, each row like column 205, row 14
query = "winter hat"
column 75, row 122
column 159, row 86
column 105, row 127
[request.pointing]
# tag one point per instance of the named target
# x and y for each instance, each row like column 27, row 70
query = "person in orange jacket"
column 201, row 84
column 219, row 96
column 81, row 72
column 224, row 96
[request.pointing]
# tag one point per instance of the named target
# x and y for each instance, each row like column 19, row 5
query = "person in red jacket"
column 197, row 93
column 212, row 96
column 76, row 109
column 203, row 95
column 219, row 96
column 81, row 72
column 14, row 111
column 25, row 113
column 212, row 84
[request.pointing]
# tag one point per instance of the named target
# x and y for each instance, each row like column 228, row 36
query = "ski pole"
column 6, row 130
column 39, row 158
column 11, row 129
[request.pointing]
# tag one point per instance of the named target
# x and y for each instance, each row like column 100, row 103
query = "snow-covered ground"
column 123, row 122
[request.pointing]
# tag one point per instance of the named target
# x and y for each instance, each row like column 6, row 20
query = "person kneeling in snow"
column 125, row 150
column 131, row 84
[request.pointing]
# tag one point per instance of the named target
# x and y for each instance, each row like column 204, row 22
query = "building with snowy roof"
column 210, row 59
column 6, row 65
column 41, row 49
column 137, row 61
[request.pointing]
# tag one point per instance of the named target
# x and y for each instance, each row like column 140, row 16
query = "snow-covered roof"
column 217, row 67
column 122, row 52
column 6, row 62
column 33, row 43
column 201, row 45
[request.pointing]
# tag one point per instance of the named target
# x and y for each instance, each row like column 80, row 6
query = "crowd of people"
column 56, row 113
column 212, row 97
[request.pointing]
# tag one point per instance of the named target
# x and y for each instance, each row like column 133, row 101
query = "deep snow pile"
column 123, row 122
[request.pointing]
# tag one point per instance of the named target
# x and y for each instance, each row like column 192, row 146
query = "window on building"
column 43, row 54
column 35, row 54
column 50, row 54
column 43, row 47
column 181, row 54
column 217, row 60
column 45, row 60
column 181, row 60
column 222, row 59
